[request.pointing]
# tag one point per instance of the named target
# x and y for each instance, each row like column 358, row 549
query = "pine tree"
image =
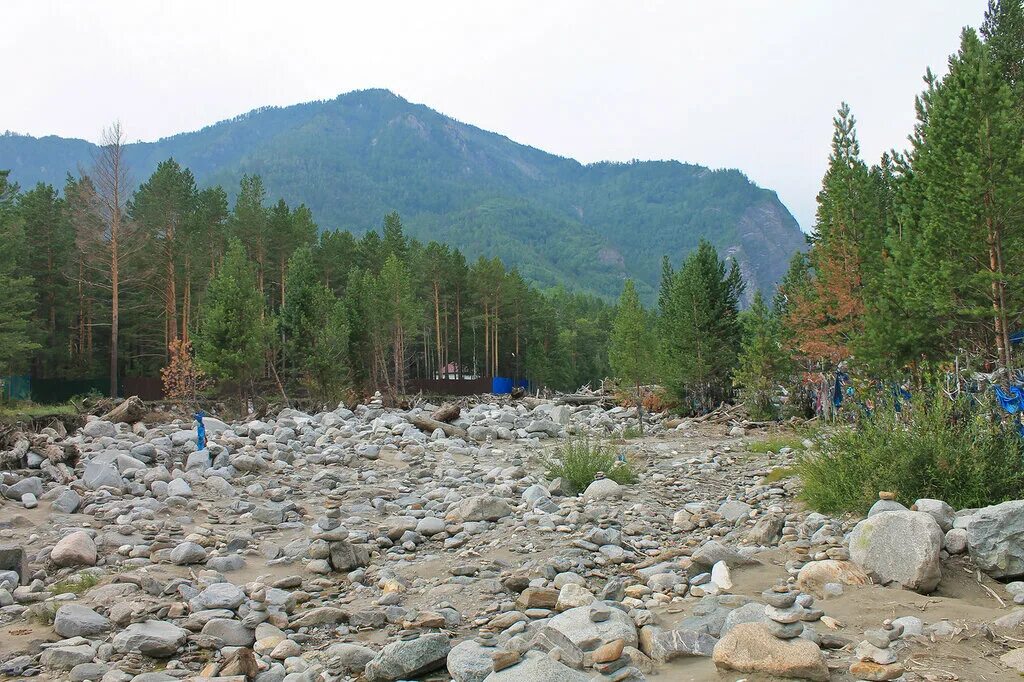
column 250, row 224
column 48, row 230
column 315, row 327
column 631, row 344
column 234, row 336
column 699, row 330
column 763, row 361
column 163, row 207
column 1003, row 31
column 18, row 300
column 967, row 267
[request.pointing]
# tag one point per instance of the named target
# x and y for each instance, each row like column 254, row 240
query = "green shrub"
column 631, row 432
column 577, row 460
column 953, row 450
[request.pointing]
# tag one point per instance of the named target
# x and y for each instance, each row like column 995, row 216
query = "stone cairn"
column 876, row 659
column 788, row 609
column 785, row 616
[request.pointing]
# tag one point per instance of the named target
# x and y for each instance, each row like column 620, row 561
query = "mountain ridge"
column 355, row 157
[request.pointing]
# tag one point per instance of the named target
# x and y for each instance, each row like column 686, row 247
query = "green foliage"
column 945, row 449
column 314, row 325
column 699, row 330
column 17, row 300
column 763, row 361
column 631, row 346
column 577, row 460
column 79, row 583
column 234, row 337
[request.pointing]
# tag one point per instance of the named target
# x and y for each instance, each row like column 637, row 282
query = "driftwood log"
column 581, row 399
column 131, row 411
column 447, row 413
column 429, row 425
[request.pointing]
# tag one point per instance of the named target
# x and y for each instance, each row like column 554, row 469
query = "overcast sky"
column 750, row 85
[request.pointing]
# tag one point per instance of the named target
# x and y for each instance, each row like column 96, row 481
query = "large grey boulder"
column 67, row 502
column 32, row 484
column 483, row 508
column 188, row 553
column 230, row 632
column 100, row 474
column 154, row 638
column 98, row 428
column 470, row 661
column 899, row 546
column 604, row 489
column 408, row 658
column 218, row 596
column 349, row 658
column 579, row 628
column 939, row 510
column 995, row 539
column 74, row 620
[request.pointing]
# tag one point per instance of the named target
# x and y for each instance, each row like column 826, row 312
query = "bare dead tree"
column 114, row 243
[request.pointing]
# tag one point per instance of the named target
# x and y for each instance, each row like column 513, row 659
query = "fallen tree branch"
column 429, row 425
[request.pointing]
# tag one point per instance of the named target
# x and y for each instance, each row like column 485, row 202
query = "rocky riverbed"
column 352, row 545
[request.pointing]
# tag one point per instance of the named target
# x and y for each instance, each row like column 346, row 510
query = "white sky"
column 750, row 85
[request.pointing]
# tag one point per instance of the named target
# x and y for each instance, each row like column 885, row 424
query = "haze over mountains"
column 356, row 157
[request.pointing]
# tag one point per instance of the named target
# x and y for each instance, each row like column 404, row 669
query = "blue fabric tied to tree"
column 1012, row 400
column 200, row 430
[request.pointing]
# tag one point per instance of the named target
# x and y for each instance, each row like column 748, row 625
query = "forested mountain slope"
column 354, row 158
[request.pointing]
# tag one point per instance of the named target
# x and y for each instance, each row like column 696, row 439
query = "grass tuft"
column 779, row 474
column 77, row 584
column 776, row 443
column 577, row 460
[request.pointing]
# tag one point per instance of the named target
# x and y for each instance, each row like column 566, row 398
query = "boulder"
column 346, row 556
column 349, row 658
column 814, row 575
column 665, row 645
column 408, row 658
column 218, row 596
column 604, row 489
column 100, row 474
column 579, row 628
column 470, row 662
column 99, row 428
column 230, row 632
column 994, row 539
column 713, row 551
column 155, row 638
column 483, row 508
column 188, row 553
column 73, row 620
column 74, row 549
column 32, row 485
column 67, row 502
column 899, row 546
column 939, row 510
column 751, row 648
